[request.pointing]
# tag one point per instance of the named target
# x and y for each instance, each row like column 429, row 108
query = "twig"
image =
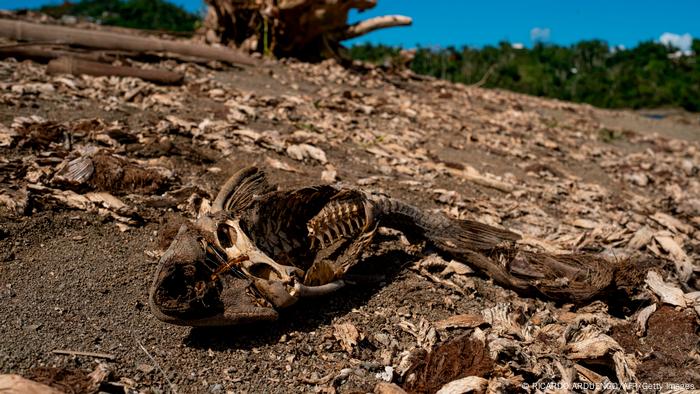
column 153, row 360
column 86, row 354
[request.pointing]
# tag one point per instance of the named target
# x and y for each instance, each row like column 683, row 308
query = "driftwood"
column 25, row 31
column 71, row 65
column 370, row 25
column 44, row 54
column 309, row 29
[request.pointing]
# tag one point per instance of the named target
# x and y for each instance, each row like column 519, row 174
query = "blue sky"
column 478, row 23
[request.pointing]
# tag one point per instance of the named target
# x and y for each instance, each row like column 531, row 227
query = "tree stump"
column 305, row 29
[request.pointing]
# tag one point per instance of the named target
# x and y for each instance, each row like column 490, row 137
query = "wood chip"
column 469, row 384
column 460, row 321
column 667, row 293
column 642, row 318
column 641, row 238
column 15, row 384
column 471, row 174
column 678, row 256
column 671, row 223
column 105, row 199
column 280, row 165
column 455, row 267
column 591, row 347
column 585, row 223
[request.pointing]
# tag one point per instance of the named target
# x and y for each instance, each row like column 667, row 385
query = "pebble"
column 387, row 375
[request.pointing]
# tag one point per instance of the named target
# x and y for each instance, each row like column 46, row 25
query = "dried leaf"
column 347, row 335
column 280, row 165
column 306, row 151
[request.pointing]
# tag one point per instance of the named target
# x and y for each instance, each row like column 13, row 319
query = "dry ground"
column 568, row 176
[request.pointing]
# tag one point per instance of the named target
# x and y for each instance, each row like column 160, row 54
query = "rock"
column 638, row 178
column 387, row 374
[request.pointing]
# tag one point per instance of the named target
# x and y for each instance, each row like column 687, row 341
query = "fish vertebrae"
column 336, row 220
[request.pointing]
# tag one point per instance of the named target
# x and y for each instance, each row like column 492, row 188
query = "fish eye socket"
column 226, row 235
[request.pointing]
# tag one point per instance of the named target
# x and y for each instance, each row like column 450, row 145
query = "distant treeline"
column 649, row 75
column 139, row 14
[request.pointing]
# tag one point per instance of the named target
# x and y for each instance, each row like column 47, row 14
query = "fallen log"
column 25, row 31
column 71, row 65
column 44, row 54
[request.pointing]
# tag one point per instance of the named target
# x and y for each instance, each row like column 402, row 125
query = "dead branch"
column 376, row 23
column 71, row 65
column 86, row 354
column 25, row 31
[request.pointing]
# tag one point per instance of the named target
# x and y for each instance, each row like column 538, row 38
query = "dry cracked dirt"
column 77, row 256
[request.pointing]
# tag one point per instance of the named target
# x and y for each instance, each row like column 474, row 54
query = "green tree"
column 141, row 14
column 649, row 75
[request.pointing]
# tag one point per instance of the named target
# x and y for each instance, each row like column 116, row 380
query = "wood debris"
column 15, row 384
column 310, row 29
column 667, row 293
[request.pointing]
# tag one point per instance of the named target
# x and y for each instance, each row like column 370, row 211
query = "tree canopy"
column 649, row 75
column 141, row 14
